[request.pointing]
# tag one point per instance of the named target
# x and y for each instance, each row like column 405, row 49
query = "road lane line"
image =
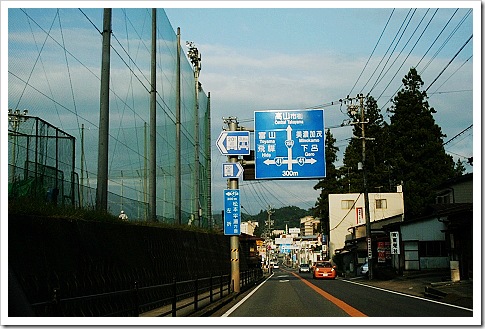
column 408, row 295
column 341, row 304
column 232, row 309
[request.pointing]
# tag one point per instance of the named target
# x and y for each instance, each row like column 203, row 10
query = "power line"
column 461, row 132
column 385, row 54
column 402, row 63
column 372, row 53
column 466, row 42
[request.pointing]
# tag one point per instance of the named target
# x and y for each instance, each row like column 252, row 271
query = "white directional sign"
column 233, row 143
column 232, row 170
column 289, row 144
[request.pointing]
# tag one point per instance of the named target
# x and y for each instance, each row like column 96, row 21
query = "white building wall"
column 342, row 217
column 430, row 230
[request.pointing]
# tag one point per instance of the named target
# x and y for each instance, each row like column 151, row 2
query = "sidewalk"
column 434, row 285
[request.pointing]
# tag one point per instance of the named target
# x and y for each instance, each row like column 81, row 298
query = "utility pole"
column 368, row 234
column 270, row 212
column 352, row 109
column 208, row 162
column 152, row 204
column 178, row 172
column 233, row 183
column 102, row 178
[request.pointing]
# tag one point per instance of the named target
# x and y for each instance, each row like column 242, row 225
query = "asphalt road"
column 289, row 294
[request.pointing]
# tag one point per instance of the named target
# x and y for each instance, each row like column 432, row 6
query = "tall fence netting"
column 54, row 70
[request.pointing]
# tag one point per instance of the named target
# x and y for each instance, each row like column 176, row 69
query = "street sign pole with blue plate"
column 290, row 144
column 232, row 212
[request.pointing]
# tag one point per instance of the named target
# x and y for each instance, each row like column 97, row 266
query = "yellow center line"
column 341, row 304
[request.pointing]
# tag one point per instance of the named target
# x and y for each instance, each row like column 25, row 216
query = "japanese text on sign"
column 232, row 212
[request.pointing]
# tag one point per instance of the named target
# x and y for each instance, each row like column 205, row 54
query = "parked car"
column 364, row 269
column 304, row 268
column 324, row 270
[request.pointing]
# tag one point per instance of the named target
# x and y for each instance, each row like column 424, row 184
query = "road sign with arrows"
column 233, row 142
column 290, row 144
column 232, row 170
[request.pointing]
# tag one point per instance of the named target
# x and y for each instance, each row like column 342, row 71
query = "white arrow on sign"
column 232, row 170
column 220, row 142
column 300, row 160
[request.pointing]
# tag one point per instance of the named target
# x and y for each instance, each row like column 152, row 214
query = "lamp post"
column 195, row 59
column 15, row 118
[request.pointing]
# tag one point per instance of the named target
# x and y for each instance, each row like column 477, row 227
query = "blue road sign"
column 233, row 142
column 232, row 212
column 232, row 170
column 290, row 144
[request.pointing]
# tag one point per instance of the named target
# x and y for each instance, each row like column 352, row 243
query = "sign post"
column 233, row 143
column 290, row 144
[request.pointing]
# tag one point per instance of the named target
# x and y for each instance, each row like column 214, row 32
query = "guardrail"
column 158, row 300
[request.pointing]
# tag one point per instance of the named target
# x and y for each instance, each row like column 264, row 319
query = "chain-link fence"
column 54, row 70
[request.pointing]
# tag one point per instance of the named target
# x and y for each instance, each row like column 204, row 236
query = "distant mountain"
column 289, row 215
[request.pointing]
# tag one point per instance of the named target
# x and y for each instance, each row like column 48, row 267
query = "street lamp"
column 195, row 59
column 15, row 118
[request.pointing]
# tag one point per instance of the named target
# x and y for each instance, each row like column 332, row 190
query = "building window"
column 381, row 204
column 432, row 249
column 347, row 204
column 443, row 199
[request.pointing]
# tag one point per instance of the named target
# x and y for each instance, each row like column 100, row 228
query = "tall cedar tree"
column 329, row 185
column 418, row 157
column 376, row 164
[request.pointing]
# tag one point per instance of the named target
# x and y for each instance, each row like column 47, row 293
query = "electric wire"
column 430, row 47
column 457, row 53
column 392, row 52
column 461, row 132
column 37, row 58
column 69, row 73
column 409, row 53
column 385, row 54
column 436, row 91
column 372, row 53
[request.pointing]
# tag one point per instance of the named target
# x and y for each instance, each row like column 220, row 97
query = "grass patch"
column 32, row 207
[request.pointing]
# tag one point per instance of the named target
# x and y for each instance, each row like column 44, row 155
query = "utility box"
column 455, row 270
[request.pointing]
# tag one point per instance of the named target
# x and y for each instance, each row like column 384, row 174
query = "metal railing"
column 158, row 300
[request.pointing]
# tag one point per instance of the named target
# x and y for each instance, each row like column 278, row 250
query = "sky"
column 297, row 58
column 298, row 55
column 304, row 54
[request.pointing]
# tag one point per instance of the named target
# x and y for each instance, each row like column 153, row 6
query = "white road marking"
column 232, row 309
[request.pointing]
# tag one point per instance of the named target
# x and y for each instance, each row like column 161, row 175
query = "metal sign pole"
column 233, row 183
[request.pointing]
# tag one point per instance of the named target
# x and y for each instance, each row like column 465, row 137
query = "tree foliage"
column 408, row 150
column 418, row 155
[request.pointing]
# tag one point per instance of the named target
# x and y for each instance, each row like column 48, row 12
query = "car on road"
column 304, row 268
column 274, row 264
column 324, row 270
